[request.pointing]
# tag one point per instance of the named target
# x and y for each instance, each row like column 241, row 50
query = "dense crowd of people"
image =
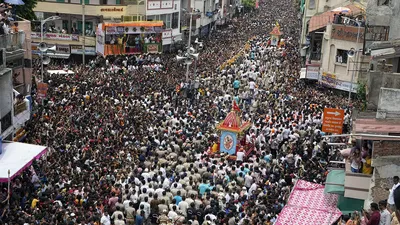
column 128, row 143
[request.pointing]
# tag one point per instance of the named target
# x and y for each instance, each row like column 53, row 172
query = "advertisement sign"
column 330, row 80
column 63, row 49
column 312, row 72
column 347, row 33
column 333, row 121
column 166, row 34
column 228, row 142
column 42, row 90
column 100, row 39
column 132, row 30
column 77, row 49
column 56, row 36
column 152, row 48
column 345, row 86
column 60, row 49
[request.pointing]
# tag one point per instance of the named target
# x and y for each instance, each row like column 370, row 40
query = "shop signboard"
column 63, row 49
column 166, row 34
column 347, row 33
column 133, row 30
column 312, row 72
column 330, row 80
column 77, row 49
column 56, row 36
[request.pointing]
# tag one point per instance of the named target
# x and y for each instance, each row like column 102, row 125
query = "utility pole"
column 83, row 32
column 189, row 44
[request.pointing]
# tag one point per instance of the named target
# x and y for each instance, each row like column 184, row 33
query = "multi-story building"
column 331, row 30
column 383, row 45
column 15, row 80
column 66, row 33
column 211, row 13
column 376, row 126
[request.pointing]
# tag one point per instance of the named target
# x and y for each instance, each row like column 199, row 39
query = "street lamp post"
column 42, row 22
column 189, row 41
column 354, row 61
column 83, row 32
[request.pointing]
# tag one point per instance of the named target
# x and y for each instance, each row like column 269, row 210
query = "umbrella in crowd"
column 15, row 2
column 341, row 10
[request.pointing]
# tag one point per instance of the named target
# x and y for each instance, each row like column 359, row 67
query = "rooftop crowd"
column 126, row 147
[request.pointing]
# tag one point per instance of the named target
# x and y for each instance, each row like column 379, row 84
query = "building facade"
column 326, row 40
column 383, row 46
column 66, row 33
column 15, row 81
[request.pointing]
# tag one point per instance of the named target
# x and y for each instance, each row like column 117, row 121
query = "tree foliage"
column 249, row 4
column 362, row 95
column 26, row 11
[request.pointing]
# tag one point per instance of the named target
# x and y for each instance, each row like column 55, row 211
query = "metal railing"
column 12, row 41
column 315, row 56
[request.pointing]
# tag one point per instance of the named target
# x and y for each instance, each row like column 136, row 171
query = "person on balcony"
column 367, row 162
column 355, row 159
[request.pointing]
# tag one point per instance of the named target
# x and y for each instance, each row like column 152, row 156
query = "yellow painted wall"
column 90, row 10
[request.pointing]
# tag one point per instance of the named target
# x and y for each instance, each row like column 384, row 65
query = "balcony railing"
column 356, row 185
column 12, row 41
column 315, row 56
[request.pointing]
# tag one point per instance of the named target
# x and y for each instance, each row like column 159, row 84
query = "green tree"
column 249, row 4
column 362, row 95
column 26, row 11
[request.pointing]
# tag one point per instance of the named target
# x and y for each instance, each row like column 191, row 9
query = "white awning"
column 16, row 157
column 63, row 72
column 383, row 52
column 57, row 55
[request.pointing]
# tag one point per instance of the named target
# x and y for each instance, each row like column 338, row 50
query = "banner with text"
column 77, row 49
column 329, row 80
column 56, row 36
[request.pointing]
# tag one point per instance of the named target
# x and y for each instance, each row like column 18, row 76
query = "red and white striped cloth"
column 308, row 204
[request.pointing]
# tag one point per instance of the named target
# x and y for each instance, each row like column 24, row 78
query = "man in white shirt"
column 105, row 219
column 252, row 86
column 391, row 197
column 386, row 218
column 240, row 155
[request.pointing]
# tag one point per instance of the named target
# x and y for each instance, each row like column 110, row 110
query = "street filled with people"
column 129, row 142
